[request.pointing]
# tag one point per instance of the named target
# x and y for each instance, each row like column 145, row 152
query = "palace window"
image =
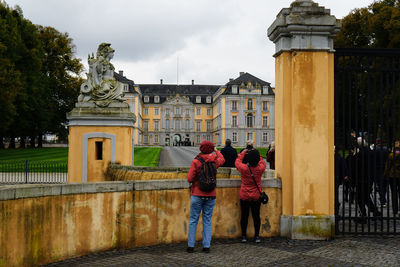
column 146, row 125
column 156, row 125
column 156, row 111
column 126, row 88
column 234, row 121
column 167, row 125
column 198, row 99
column 145, row 139
column 265, row 106
column 146, row 99
column 234, row 137
column 156, row 99
column 208, row 137
column 209, row 112
column 198, row 111
column 146, row 111
column 177, row 124
column 234, row 105
column 208, row 99
column 198, row 139
column 187, row 125
column 249, row 120
column 208, row 126
column 234, row 89
column 156, row 139
column 265, row 137
column 265, row 122
column 177, row 111
column 249, row 137
column 250, row 104
column 198, row 126
column 187, row 112
column 265, row 90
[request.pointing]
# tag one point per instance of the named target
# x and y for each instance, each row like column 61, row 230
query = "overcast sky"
column 213, row 40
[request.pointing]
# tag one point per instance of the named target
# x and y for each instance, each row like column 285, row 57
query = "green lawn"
column 263, row 150
column 147, row 156
column 144, row 156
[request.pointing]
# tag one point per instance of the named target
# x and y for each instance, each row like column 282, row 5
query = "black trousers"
column 395, row 190
column 255, row 212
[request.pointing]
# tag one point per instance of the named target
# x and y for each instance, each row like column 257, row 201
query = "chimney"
column 121, row 72
column 192, row 82
column 160, row 81
column 241, row 73
column 230, row 79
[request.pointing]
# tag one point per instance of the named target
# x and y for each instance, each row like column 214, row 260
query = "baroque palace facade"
column 241, row 110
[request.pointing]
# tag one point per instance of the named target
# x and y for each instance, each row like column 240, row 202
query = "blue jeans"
column 198, row 204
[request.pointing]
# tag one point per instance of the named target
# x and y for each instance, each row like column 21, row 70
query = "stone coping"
column 222, row 170
column 12, row 192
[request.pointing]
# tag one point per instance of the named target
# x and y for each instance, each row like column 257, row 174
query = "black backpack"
column 208, row 175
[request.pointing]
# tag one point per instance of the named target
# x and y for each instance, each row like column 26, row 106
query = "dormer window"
column 208, row 99
column 234, row 89
column 198, row 99
column 156, row 99
column 126, row 88
column 146, row 99
column 265, row 90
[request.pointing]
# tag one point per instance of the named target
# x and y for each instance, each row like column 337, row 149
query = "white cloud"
column 214, row 40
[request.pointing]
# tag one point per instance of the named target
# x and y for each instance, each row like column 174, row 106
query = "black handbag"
column 263, row 196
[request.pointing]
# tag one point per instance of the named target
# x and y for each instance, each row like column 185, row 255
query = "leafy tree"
column 62, row 75
column 375, row 26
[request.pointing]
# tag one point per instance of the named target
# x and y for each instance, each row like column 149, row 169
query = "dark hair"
column 253, row 157
column 249, row 147
column 228, row 142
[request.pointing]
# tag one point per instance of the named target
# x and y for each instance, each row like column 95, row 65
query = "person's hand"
column 215, row 149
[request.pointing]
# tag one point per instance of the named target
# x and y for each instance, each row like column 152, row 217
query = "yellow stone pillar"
column 304, row 138
column 98, row 136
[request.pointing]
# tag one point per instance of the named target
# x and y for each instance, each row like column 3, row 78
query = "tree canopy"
column 39, row 77
column 375, row 26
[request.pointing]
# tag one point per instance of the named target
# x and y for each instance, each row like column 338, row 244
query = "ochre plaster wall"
column 41, row 230
column 123, row 151
column 304, row 151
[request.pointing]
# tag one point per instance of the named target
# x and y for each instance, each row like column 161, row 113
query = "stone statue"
column 101, row 86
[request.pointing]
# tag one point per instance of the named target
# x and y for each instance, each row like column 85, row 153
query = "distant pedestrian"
column 201, row 201
column 229, row 153
column 392, row 173
column 249, row 190
column 271, row 156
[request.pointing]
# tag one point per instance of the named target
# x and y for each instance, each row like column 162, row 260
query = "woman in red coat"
column 249, row 191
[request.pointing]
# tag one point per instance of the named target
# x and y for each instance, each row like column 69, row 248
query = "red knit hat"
column 206, row 147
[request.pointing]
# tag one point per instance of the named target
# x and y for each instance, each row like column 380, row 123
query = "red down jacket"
column 248, row 189
column 194, row 172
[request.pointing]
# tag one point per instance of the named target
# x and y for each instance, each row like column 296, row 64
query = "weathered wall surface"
column 48, row 223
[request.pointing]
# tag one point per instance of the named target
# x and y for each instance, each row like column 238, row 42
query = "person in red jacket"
column 199, row 200
column 249, row 193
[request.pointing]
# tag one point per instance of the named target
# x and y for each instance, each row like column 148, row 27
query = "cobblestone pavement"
column 343, row 251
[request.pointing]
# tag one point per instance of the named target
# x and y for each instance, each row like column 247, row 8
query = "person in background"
column 392, row 173
column 271, row 156
column 249, row 189
column 229, row 154
column 202, row 201
column 249, row 146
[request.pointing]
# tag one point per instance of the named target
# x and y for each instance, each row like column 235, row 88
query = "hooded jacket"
column 248, row 189
column 194, row 172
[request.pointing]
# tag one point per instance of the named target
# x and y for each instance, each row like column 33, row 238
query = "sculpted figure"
column 101, row 87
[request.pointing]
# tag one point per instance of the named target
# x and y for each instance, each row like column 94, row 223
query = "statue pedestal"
column 98, row 136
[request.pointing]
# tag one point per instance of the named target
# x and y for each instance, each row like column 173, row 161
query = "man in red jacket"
column 199, row 200
column 250, row 189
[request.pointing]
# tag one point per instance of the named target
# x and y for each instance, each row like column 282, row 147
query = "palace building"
column 169, row 114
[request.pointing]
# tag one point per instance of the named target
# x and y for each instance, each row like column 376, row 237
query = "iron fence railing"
column 33, row 172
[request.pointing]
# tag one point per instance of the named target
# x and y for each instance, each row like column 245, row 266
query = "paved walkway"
column 343, row 251
column 177, row 156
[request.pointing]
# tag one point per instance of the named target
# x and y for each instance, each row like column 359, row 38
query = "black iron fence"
column 30, row 172
column 367, row 141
